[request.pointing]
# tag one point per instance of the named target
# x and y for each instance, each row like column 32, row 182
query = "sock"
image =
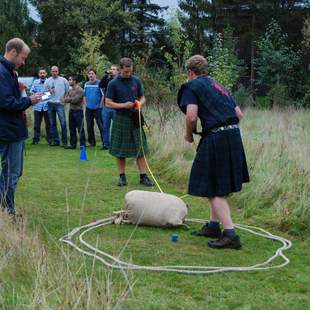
column 142, row 175
column 214, row 225
column 230, row 233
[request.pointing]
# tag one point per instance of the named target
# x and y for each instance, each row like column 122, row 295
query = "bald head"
column 54, row 71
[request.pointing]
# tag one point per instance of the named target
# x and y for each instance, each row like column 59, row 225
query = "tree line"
column 262, row 45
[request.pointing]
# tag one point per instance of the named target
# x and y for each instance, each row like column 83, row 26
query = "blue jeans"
column 59, row 109
column 107, row 116
column 11, row 154
column 76, row 123
column 90, row 116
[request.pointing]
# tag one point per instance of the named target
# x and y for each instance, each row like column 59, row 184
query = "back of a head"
column 17, row 44
column 198, row 64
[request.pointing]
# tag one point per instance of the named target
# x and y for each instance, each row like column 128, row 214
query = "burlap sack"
column 154, row 209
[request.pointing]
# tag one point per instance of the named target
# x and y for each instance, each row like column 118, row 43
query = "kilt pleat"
column 219, row 167
column 125, row 139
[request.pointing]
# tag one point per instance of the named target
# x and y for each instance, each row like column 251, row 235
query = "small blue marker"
column 174, row 238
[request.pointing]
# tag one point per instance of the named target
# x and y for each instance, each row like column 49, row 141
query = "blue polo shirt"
column 121, row 90
column 39, row 87
column 208, row 121
column 93, row 95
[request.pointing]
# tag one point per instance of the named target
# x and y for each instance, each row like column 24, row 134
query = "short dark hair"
column 125, row 62
column 17, row 44
column 41, row 69
column 198, row 64
column 74, row 78
column 89, row 69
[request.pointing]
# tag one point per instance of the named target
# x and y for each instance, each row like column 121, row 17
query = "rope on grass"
column 114, row 262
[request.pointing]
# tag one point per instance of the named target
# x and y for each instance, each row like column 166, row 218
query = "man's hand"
column 129, row 105
column 189, row 137
column 35, row 98
column 137, row 105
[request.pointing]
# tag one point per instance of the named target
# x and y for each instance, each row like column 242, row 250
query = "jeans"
column 107, row 116
column 76, row 123
column 58, row 108
column 11, row 154
column 92, row 115
column 38, row 115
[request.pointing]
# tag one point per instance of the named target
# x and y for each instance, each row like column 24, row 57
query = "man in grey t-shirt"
column 58, row 87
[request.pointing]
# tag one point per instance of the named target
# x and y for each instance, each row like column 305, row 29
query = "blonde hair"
column 198, row 64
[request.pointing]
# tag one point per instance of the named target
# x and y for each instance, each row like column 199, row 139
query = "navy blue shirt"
column 121, row 90
column 12, row 105
column 207, row 120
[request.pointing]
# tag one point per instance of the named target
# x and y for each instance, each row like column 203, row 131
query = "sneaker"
column 54, row 144
column 208, row 232
column 104, row 147
column 35, row 142
column 225, row 242
column 146, row 181
column 122, row 181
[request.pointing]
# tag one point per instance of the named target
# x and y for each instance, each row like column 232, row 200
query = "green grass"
column 59, row 192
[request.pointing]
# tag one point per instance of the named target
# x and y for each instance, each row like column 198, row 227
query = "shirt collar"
column 9, row 65
column 124, row 79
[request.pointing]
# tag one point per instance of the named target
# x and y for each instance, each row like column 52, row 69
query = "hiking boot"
column 208, row 232
column 145, row 180
column 122, row 181
column 225, row 242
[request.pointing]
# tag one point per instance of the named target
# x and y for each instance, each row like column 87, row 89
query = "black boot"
column 122, row 180
column 225, row 242
column 208, row 232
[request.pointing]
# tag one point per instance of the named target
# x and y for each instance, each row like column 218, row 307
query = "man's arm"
column 191, row 121
column 239, row 113
column 115, row 105
column 75, row 98
column 10, row 103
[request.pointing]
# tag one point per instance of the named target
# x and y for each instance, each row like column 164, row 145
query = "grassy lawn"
column 59, row 192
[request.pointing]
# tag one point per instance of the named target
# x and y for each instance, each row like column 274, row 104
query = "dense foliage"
column 269, row 38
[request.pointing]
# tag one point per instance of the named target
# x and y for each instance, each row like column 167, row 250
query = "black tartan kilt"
column 220, row 165
column 125, row 139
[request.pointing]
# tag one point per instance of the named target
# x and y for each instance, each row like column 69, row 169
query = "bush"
column 279, row 66
column 243, row 97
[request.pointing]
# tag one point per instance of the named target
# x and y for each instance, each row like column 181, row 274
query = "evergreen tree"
column 15, row 22
column 194, row 19
column 140, row 39
column 64, row 22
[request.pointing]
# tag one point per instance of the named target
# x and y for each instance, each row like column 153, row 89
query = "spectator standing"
column 75, row 97
column 107, row 113
column 41, row 109
column 92, row 98
column 58, row 87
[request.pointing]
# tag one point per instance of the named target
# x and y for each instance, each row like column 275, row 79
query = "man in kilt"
column 123, row 94
column 219, row 167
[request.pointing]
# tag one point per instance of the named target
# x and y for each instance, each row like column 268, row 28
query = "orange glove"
column 137, row 105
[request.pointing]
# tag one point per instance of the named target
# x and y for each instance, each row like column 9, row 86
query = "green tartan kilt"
column 125, row 139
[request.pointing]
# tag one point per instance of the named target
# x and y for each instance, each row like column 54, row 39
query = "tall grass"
column 32, row 277
column 277, row 145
